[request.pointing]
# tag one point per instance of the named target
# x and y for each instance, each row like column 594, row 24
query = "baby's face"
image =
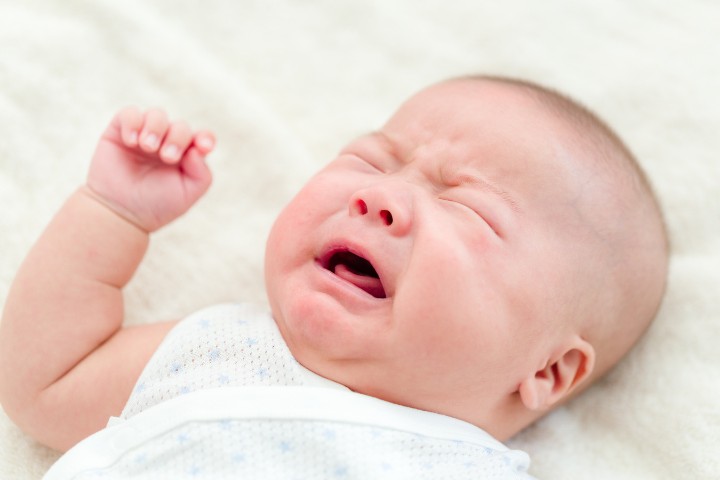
column 419, row 266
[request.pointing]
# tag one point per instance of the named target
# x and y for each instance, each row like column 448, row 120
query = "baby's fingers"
column 204, row 141
column 197, row 174
column 154, row 129
column 131, row 121
column 178, row 139
column 154, row 134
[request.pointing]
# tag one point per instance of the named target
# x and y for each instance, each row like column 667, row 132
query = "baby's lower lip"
column 353, row 268
column 340, row 285
column 368, row 284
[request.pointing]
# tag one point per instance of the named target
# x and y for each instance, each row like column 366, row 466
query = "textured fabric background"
column 285, row 83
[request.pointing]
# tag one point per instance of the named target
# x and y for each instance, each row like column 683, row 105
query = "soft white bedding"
column 286, row 83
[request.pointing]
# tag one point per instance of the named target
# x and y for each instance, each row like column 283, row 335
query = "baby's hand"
column 150, row 170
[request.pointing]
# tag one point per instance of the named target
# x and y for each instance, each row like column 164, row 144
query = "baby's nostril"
column 362, row 207
column 386, row 216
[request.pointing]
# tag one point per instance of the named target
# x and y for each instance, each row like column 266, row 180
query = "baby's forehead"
column 514, row 120
column 493, row 129
column 479, row 119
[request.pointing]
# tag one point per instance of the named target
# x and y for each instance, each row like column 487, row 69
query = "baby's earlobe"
column 536, row 389
column 529, row 396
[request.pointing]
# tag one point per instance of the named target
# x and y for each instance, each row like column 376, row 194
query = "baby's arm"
column 66, row 361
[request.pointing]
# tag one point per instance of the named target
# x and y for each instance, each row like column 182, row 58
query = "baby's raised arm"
column 66, row 361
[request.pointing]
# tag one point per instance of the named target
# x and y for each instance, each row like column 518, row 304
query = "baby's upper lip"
column 335, row 249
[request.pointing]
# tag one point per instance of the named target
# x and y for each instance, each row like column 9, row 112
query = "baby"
column 483, row 257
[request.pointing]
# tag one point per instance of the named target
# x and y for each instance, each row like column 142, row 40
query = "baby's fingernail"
column 132, row 138
column 171, row 152
column 151, row 141
column 205, row 143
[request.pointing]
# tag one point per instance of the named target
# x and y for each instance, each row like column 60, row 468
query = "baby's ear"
column 561, row 375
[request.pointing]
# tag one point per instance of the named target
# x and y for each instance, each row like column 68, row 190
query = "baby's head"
column 486, row 254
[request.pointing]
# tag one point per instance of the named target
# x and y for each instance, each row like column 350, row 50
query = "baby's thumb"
column 195, row 169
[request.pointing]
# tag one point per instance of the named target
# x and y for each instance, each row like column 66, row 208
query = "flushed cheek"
column 291, row 237
column 456, row 343
column 299, row 217
column 447, row 299
column 287, row 249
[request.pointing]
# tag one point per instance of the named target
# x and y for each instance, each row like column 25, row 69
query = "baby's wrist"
column 91, row 195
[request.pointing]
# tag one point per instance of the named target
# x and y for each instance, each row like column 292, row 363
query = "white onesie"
column 222, row 397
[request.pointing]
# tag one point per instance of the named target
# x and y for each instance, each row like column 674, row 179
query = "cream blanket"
column 286, row 83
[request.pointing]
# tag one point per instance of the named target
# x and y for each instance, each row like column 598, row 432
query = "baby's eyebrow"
column 374, row 140
column 385, row 141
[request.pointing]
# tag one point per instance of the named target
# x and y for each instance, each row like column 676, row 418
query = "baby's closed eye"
column 466, row 202
column 359, row 163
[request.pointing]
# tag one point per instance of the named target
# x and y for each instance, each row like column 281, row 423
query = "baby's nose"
column 362, row 208
column 385, row 206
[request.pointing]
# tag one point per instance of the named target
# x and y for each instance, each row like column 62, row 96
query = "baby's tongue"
column 371, row 285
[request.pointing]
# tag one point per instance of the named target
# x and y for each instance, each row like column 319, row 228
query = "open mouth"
column 356, row 270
